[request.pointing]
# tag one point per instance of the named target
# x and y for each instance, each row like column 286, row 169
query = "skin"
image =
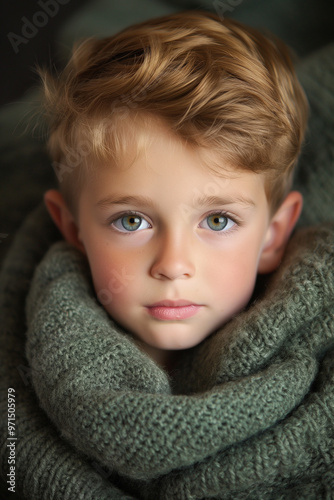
column 162, row 228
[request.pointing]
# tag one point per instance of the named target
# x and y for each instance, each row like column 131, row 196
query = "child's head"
column 193, row 126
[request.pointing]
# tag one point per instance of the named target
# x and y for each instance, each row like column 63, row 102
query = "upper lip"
column 173, row 303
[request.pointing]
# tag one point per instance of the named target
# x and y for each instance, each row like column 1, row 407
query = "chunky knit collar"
column 249, row 413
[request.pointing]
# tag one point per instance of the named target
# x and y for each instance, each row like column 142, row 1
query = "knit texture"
column 248, row 415
column 46, row 466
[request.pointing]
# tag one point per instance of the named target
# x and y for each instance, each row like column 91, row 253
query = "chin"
column 177, row 344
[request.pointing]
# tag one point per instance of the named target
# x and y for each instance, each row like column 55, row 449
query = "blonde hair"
column 216, row 84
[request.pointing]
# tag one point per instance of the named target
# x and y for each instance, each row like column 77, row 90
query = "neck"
column 166, row 359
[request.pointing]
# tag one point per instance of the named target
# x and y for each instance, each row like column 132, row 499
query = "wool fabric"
column 248, row 414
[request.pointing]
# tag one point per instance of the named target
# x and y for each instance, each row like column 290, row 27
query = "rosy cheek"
column 232, row 278
column 113, row 278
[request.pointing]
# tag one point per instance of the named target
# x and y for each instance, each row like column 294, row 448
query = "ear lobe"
column 63, row 218
column 279, row 231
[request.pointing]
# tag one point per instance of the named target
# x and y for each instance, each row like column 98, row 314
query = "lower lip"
column 173, row 313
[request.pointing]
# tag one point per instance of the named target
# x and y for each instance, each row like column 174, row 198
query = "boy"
column 174, row 143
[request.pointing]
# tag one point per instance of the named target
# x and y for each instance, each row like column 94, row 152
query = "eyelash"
column 221, row 213
column 125, row 214
column 233, row 218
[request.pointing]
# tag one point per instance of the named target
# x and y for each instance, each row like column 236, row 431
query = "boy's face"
column 173, row 249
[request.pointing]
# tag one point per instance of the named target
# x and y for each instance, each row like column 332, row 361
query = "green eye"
column 217, row 222
column 130, row 223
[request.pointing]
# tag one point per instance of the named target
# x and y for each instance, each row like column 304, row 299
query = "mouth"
column 172, row 310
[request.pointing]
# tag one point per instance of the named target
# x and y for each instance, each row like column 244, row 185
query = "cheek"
column 232, row 279
column 114, row 277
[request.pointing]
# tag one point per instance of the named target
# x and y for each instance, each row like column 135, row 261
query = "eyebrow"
column 219, row 200
column 145, row 201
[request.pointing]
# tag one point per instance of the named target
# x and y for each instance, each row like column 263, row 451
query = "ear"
column 63, row 218
column 279, row 231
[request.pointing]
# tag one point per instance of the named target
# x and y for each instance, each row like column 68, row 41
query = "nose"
column 173, row 259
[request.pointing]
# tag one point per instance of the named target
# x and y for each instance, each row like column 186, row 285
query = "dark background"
column 304, row 24
column 17, row 69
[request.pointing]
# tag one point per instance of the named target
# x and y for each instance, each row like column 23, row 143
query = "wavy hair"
column 216, row 84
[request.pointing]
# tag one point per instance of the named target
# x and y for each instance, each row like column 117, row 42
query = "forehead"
column 160, row 166
column 143, row 136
